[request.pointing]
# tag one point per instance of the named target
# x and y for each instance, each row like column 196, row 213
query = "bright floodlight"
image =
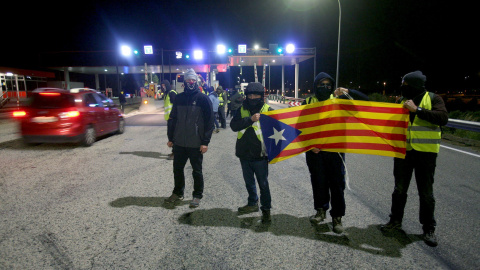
column 126, row 50
column 221, row 49
column 197, row 54
column 256, row 47
column 290, row 48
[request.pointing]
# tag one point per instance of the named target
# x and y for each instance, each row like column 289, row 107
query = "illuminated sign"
column 148, row 49
column 178, row 55
column 242, row 48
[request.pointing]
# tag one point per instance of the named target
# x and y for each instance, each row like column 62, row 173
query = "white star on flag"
column 277, row 136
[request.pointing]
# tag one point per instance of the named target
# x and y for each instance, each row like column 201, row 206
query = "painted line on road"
column 461, row 151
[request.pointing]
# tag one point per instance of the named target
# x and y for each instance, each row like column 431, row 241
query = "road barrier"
column 462, row 124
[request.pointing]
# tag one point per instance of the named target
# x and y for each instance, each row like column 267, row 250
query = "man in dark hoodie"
column 169, row 99
column 427, row 114
column 251, row 150
column 327, row 171
column 190, row 128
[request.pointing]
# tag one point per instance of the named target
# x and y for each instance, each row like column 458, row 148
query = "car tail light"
column 69, row 114
column 49, row 94
column 19, row 114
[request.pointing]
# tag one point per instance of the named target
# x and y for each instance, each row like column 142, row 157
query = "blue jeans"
column 258, row 168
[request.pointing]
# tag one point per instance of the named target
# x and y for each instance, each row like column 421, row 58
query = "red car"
column 79, row 115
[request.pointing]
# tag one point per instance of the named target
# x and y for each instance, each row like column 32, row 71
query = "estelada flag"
column 336, row 125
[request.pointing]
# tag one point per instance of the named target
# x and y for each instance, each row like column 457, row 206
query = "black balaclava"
column 256, row 103
column 415, row 84
column 323, row 92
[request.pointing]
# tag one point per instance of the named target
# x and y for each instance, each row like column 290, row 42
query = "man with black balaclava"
column 327, row 171
column 427, row 114
column 190, row 128
column 250, row 149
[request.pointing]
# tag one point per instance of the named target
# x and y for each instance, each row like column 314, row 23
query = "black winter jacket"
column 191, row 120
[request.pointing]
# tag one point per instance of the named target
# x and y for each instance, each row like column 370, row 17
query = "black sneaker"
column 392, row 225
column 318, row 217
column 173, row 199
column 430, row 239
column 337, row 225
column 266, row 218
column 248, row 209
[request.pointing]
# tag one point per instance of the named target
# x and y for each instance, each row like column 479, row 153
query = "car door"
column 95, row 112
column 111, row 117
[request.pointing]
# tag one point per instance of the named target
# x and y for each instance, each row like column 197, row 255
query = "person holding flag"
column 250, row 149
column 327, row 169
column 427, row 114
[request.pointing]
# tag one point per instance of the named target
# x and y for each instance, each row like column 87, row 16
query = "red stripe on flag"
column 337, row 120
column 366, row 146
column 333, row 107
column 350, row 132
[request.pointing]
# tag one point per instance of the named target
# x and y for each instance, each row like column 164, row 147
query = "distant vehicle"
column 79, row 115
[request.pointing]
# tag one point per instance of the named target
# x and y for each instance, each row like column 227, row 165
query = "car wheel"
column 121, row 126
column 89, row 137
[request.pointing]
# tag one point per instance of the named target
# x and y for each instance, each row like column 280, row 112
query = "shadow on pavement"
column 147, row 154
column 368, row 239
column 144, row 202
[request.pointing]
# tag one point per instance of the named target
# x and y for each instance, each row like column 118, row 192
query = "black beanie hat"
column 415, row 79
column 254, row 88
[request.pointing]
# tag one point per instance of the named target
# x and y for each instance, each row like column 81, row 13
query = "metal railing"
column 462, row 124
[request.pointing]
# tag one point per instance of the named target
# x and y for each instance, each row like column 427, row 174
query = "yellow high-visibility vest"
column 168, row 105
column 256, row 126
column 422, row 135
column 314, row 99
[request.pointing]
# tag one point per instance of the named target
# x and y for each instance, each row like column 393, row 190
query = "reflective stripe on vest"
column 422, row 135
column 220, row 99
column 256, row 126
column 168, row 105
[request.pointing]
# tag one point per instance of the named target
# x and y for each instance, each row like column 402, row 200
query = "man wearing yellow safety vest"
column 427, row 114
column 327, row 169
column 250, row 148
column 222, row 98
column 169, row 95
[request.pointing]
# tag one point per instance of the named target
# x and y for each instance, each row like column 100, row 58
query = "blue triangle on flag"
column 276, row 135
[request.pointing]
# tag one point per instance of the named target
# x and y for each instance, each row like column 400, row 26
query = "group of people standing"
column 191, row 124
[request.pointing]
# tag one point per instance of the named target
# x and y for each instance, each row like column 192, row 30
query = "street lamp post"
column 338, row 50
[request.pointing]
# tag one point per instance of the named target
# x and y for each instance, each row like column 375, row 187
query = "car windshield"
column 42, row 101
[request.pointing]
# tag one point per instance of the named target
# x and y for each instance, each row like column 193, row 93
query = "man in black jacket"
column 327, row 171
column 190, row 128
column 250, row 148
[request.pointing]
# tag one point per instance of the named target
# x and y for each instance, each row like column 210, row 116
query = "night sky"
column 380, row 40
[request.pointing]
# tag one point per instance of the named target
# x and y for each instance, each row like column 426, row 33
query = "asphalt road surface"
column 101, row 207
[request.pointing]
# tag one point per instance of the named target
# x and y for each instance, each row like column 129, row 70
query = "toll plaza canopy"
column 168, row 61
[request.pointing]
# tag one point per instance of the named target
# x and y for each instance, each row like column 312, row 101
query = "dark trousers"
column 423, row 163
column 229, row 109
column 182, row 154
column 327, row 174
column 258, row 168
column 215, row 114
column 221, row 116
